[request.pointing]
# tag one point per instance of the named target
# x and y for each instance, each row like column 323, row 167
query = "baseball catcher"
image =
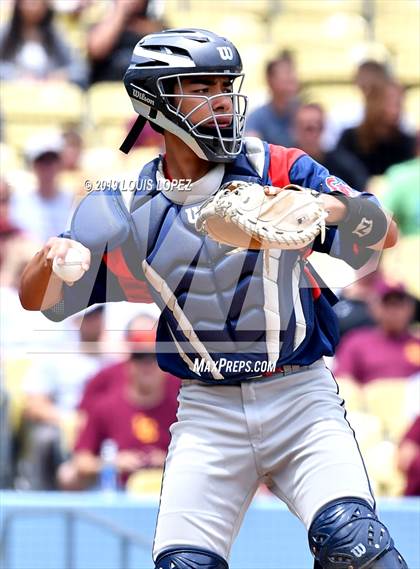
column 245, row 320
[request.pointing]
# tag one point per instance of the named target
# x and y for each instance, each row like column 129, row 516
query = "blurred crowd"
column 84, row 403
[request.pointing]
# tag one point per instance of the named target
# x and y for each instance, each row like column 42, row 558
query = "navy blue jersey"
column 224, row 317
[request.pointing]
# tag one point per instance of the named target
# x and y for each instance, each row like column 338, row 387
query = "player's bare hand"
column 59, row 247
column 157, row 458
column 129, row 461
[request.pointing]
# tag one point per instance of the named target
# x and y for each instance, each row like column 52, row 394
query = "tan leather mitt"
column 242, row 215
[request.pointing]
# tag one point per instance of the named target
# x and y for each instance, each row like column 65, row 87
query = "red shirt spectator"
column 367, row 354
column 105, row 381
column 133, row 403
column 409, row 459
column 387, row 350
column 132, row 426
column 109, row 380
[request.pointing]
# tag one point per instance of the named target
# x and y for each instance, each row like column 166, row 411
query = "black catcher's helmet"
column 160, row 61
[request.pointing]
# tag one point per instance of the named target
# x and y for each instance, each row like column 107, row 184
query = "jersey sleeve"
column 308, row 173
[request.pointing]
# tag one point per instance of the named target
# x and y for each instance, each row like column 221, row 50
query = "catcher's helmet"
column 160, row 61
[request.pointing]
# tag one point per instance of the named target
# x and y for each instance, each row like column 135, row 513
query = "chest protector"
column 224, row 316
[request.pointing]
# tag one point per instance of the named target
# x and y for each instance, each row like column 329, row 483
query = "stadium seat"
column 380, row 462
column 367, row 428
column 107, row 135
column 145, row 482
column 9, row 159
column 386, row 398
column 101, row 160
column 39, row 102
column 18, row 133
column 322, row 7
column 109, row 104
column 402, row 263
column 29, row 107
column 351, row 392
column 14, row 371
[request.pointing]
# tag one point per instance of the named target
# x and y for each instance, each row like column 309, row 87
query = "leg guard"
column 347, row 533
column 189, row 558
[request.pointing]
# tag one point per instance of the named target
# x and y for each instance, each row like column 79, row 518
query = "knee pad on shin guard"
column 347, row 533
column 189, row 558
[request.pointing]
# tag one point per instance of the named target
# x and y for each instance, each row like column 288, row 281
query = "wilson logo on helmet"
column 142, row 97
column 225, row 53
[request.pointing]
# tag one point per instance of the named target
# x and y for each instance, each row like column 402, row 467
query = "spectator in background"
column 111, row 41
column 134, row 408
column 45, row 211
column 353, row 307
column 369, row 74
column 6, row 439
column 378, row 141
column 387, row 350
column 308, row 125
column 32, row 48
column 140, row 333
column 72, row 172
column 72, row 150
column 273, row 121
column 401, row 195
column 53, row 387
column 408, row 459
column 12, row 237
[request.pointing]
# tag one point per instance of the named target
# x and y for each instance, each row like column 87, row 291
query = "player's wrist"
column 336, row 209
column 365, row 222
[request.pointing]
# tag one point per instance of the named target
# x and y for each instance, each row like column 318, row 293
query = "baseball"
column 71, row 269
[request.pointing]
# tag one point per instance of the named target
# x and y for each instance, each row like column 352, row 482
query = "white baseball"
column 71, row 269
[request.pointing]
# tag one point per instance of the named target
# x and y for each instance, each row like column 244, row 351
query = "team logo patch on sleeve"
column 336, row 185
column 364, row 228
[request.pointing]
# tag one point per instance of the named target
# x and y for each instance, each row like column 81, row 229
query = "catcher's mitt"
column 242, row 215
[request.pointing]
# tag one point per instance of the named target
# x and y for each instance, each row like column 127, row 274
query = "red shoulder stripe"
column 281, row 161
column 134, row 290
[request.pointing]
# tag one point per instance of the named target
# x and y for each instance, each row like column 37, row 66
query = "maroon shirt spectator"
column 133, row 403
column 387, row 350
column 104, row 382
column 130, row 425
column 138, row 335
column 409, row 459
column 369, row 353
